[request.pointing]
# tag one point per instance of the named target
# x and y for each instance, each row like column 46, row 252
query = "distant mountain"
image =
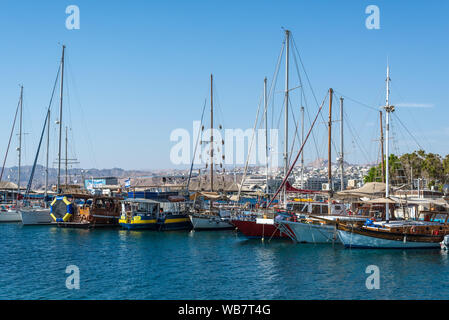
column 74, row 175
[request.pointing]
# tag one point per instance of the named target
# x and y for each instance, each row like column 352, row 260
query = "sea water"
column 120, row 264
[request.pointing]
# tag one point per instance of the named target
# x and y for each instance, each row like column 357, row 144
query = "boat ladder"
column 284, row 229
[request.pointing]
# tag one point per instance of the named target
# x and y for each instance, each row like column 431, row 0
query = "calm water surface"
column 119, row 264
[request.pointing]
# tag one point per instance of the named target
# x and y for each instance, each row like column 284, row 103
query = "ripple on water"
column 119, row 264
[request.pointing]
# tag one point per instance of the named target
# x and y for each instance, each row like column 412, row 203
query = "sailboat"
column 41, row 215
column 322, row 228
column 261, row 224
column 401, row 234
column 213, row 218
column 11, row 213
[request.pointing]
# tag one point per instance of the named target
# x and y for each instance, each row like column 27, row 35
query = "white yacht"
column 9, row 214
column 220, row 220
column 35, row 216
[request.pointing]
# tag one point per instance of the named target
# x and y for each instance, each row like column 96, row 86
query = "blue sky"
column 137, row 70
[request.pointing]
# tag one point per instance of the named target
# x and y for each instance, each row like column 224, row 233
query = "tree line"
column 409, row 166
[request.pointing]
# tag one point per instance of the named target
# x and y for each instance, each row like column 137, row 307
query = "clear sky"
column 136, row 70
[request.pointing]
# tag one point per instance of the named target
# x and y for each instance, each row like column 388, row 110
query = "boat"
column 312, row 228
column 40, row 214
column 33, row 216
column 260, row 226
column 207, row 220
column 85, row 211
column 389, row 233
column 10, row 212
column 264, row 221
column 211, row 218
column 137, row 214
column 401, row 234
column 162, row 214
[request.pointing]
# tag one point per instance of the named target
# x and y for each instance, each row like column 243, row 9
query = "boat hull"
column 10, row 216
column 312, row 233
column 253, row 230
column 370, row 241
column 34, row 217
column 210, row 223
column 174, row 222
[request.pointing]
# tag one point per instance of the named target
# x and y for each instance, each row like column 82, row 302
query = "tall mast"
column 60, row 119
column 342, row 172
column 265, row 100
column 388, row 109
column 211, row 137
column 48, row 149
column 66, row 154
column 382, row 147
column 287, row 48
column 329, row 152
column 19, row 149
column 302, row 142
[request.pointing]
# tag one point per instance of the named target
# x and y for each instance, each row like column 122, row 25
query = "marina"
column 271, row 158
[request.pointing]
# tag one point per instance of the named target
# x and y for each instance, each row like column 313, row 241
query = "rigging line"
column 297, row 156
column 305, row 72
column 249, row 149
column 274, row 81
column 196, row 146
column 296, row 135
column 305, row 100
column 71, row 145
column 356, row 138
column 10, row 138
column 413, row 137
column 307, row 77
column 416, row 123
column 89, row 139
column 358, row 102
column 46, row 122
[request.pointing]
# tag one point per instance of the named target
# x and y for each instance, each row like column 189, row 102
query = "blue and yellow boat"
column 139, row 214
column 163, row 215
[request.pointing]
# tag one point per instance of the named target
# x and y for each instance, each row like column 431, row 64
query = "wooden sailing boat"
column 213, row 218
column 403, row 234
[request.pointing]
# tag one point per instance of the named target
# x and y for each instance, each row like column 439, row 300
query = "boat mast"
column 342, row 172
column 265, row 100
column 60, row 120
column 287, row 47
column 329, row 153
column 211, row 139
column 19, row 149
column 66, row 159
column 48, row 148
column 382, row 147
column 388, row 109
column 302, row 142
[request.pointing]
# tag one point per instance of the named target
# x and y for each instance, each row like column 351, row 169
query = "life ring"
column 61, row 209
column 413, row 229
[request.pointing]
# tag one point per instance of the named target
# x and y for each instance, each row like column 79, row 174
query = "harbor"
column 120, row 264
column 266, row 167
